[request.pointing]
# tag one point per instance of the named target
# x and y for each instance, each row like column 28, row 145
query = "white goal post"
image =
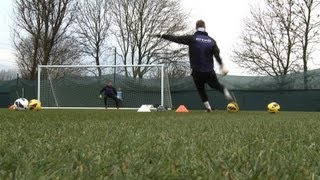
column 78, row 86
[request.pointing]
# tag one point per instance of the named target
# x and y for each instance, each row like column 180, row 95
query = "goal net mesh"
column 79, row 86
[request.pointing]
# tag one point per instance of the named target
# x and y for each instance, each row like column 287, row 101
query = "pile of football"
column 22, row 104
column 272, row 107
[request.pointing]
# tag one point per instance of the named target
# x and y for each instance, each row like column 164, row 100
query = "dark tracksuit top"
column 110, row 91
column 202, row 49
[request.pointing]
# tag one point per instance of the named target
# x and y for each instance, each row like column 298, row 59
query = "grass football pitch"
column 103, row 144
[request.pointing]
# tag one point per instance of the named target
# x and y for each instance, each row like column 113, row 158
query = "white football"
column 21, row 104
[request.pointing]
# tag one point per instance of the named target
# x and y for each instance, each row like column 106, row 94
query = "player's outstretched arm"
column 187, row 40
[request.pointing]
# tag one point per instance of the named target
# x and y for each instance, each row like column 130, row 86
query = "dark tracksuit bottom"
column 202, row 78
column 112, row 97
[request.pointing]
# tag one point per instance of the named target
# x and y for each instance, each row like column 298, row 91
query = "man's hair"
column 200, row 23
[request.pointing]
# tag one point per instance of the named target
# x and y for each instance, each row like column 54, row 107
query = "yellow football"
column 233, row 107
column 273, row 107
column 34, row 104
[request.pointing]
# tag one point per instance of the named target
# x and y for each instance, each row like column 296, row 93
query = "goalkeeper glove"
column 100, row 96
column 223, row 70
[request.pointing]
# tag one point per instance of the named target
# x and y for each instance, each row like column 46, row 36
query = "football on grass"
column 273, row 107
column 233, row 107
column 35, row 105
column 21, row 104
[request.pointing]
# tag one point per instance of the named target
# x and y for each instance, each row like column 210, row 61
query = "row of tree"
column 7, row 74
column 279, row 37
column 61, row 32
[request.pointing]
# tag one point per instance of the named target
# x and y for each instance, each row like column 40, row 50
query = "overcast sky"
column 224, row 21
column 6, row 57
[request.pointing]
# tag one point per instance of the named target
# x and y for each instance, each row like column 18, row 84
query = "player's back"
column 201, row 52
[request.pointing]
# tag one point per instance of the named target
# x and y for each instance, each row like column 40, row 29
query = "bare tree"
column 135, row 20
column 177, row 63
column 268, row 43
column 93, row 22
column 40, row 27
column 178, row 69
column 26, row 52
column 65, row 52
column 309, row 31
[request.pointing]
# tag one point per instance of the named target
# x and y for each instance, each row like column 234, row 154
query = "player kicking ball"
column 202, row 48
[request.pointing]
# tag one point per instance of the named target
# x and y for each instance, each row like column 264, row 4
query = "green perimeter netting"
column 294, row 92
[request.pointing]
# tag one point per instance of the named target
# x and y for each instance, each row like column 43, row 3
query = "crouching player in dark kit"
column 109, row 92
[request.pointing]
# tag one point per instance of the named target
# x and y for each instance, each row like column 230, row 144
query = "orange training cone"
column 182, row 108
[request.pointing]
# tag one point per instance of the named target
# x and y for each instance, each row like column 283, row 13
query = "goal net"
column 78, row 86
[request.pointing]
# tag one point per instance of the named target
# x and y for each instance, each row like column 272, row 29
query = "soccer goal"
column 78, row 86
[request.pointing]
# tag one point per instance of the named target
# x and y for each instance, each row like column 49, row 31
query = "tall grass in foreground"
column 99, row 144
